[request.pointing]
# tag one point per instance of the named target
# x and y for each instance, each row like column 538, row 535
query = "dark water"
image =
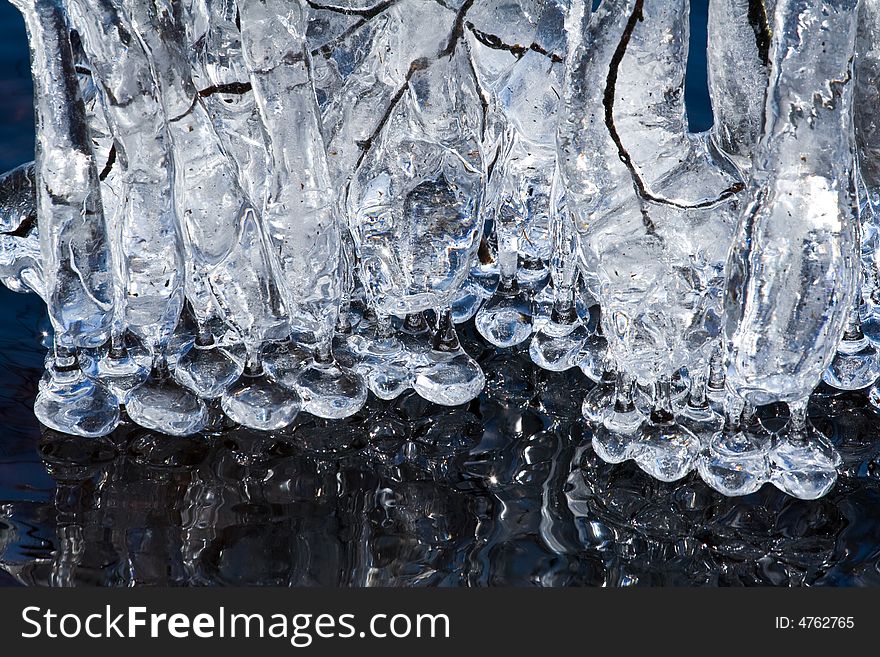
column 503, row 491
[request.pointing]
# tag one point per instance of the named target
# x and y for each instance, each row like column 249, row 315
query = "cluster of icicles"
column 263, row 207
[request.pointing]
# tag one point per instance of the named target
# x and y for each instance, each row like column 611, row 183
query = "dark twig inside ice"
column 417, row 65
column 496, row 43
column 608, row 104
column 758, row 20
column 370, row 12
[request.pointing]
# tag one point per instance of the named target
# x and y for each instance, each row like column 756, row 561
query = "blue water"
column 16, row 91
column 503, row 491
column 696, row 88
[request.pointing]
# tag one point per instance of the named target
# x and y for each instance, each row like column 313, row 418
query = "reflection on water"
column 505, row 491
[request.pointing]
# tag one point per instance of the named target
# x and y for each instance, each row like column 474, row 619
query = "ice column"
column 74, row 245
column 301, row 227
column 793, row 269
column 150, row 236
column 738, row 57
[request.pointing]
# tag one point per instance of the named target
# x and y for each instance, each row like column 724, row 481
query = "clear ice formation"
column 791, row 284
column 653, row 205
column 146, row 227
column 21, row 263
column 77, row 277
column 416, row 190
column 298, row 215
column 738, row 63
column 259, row 208
column 223, row 83
column 792, row 273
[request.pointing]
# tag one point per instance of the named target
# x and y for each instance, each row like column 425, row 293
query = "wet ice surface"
column 504, row 491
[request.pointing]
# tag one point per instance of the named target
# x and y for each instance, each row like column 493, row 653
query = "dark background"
column 16, row 142
column 16, row 105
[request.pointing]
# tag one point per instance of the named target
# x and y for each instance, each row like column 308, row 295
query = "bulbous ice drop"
column 163, row 405
column 615, row 440
column 383, row 358
column 803, row 462
column 596, row 358
column 248, row 296
column 666, row 450
column 856, row 364
column 599, row 401
column 305, row 235
column 506, row 319
column 793, row 270
column 75, row 251
column 734, row 460
column 452, row 379
column 259, row 402
column 70, row 403
column 558, row 342
column 446, row 374
column 149, row 231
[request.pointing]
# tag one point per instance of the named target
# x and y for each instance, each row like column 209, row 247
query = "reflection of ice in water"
column 221, row 512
